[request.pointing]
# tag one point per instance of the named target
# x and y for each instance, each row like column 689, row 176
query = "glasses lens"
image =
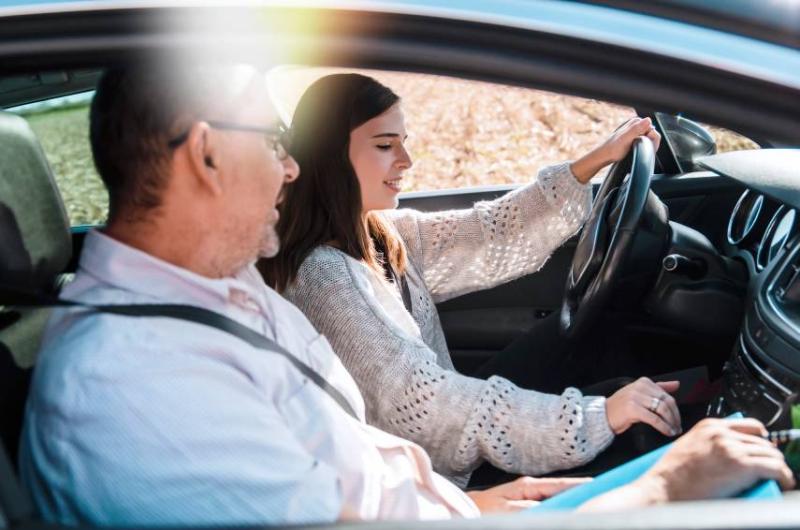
column 280, row 150
column 285, row 139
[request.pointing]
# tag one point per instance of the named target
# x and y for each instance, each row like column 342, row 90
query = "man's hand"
column 521, row 493
column 614, row 148
column 716, row 458
column 646, row 402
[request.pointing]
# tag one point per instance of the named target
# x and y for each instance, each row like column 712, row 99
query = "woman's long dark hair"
column 324, row 204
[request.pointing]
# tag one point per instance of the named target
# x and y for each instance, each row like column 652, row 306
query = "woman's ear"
column 204, row 155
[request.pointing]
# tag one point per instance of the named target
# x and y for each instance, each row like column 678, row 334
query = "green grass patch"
column 64, row 135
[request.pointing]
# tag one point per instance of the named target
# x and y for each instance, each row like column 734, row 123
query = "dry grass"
column 461, row 133
column 469, row 133
column 730, row 141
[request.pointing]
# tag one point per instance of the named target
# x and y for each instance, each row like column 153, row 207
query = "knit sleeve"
column 461, row 421
column 460, row 251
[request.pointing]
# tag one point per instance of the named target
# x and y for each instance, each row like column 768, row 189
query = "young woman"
column 368, row 276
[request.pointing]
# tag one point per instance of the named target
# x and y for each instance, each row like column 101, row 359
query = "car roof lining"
column 413, row 43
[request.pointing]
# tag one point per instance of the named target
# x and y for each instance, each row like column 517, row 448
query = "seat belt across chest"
column 189, row 313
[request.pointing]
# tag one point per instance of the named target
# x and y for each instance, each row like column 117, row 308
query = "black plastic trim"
column 411, row 42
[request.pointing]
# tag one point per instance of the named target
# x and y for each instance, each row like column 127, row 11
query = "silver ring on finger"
column 654, row 404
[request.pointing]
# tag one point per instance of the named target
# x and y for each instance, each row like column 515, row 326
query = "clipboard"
column 627, row 473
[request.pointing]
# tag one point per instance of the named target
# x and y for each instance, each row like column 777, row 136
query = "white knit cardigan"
column 401, row 361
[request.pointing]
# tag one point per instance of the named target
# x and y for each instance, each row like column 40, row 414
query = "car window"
column 62, row 126
column 468, row 133
column 462, row 133
column 730, row 141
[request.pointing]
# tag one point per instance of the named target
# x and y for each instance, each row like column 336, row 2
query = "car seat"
column 36, row 247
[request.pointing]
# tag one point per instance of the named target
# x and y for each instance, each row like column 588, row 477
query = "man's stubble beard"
column 242, row 254
column 270, row 241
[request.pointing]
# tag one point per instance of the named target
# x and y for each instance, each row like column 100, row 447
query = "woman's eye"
column 384, row 147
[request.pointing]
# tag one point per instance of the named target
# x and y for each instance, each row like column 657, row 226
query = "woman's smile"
column 394, row 184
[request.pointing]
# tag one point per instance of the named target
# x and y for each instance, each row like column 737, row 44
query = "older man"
column 160, row 421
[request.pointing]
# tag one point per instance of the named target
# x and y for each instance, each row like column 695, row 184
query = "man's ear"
column 204, row 155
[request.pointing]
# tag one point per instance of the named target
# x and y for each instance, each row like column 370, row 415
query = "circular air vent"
column 780, row 229
column 744, row 217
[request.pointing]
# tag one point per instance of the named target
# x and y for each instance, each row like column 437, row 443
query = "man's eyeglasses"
column 278, row 137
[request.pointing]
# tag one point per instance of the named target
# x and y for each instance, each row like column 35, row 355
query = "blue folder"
column 628, row 472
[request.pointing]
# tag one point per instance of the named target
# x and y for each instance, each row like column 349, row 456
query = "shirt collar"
column 130, row 269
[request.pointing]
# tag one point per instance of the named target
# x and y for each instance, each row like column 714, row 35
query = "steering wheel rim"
column 602, row 249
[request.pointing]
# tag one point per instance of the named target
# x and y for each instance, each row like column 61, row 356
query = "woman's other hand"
column 644, row 401
column 614, row 148
column 521, row 493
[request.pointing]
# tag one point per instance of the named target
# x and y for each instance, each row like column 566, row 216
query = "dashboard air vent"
column 787, row 284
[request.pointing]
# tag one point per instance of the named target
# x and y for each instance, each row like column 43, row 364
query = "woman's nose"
column 404, row 161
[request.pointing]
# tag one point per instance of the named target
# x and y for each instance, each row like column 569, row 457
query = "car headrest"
column 34, row 236
column 34, row 229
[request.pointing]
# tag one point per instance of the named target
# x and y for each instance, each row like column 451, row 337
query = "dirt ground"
column 461, row 133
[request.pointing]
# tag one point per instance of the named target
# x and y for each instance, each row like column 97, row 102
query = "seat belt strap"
column 189, row 313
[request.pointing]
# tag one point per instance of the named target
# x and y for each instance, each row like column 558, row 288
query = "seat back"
column 36, row 247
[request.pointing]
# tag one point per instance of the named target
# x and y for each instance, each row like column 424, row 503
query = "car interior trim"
column 615, row 73
column 745, row 214
column 751, row 363
column 772, row 172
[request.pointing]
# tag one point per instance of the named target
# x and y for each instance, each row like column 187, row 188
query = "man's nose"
column 291, row 169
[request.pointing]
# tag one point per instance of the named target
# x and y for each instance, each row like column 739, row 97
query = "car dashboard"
column 762, row 376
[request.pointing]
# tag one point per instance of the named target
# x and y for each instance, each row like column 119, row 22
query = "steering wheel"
column 606, row 239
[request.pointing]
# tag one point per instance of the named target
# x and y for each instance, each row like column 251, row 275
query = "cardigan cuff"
column 598, row 432
column 564, row 192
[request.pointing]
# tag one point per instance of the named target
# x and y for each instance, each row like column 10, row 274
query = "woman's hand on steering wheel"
column 614, row 148
column 644, row 401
